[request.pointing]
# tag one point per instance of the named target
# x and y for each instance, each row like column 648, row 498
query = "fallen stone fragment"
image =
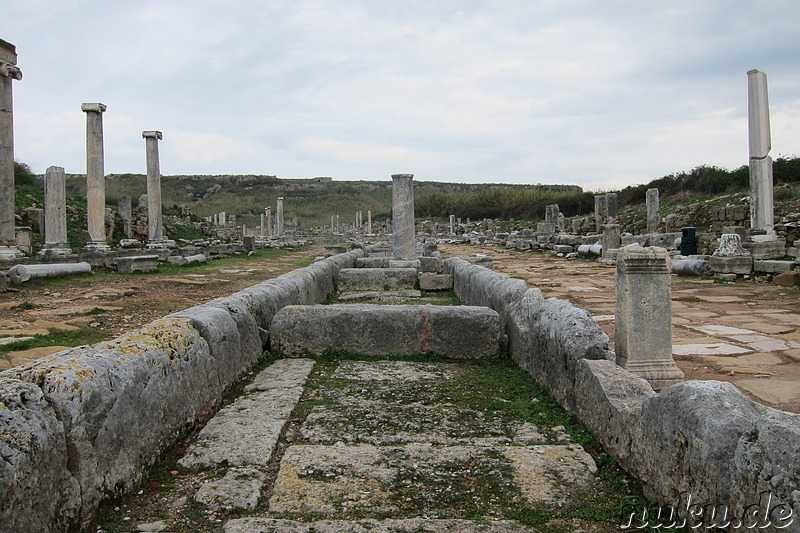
column 240, row 488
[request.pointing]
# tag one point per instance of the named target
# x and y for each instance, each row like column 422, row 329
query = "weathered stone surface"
column 370, row 279
column 450, row 331
column 246, row 432
column 137, row 263
column 548, row 337
column 240, row 488
column 731, row 257
column 37, row 490
column 372, row 262
column 608, row 400
column 411, row 525
column 691, row 267
column 23, row 273
column 771, row 266
column 403, row 216
column 690, row 435
column 429, row 281
column 323, row 478
column 430, row 264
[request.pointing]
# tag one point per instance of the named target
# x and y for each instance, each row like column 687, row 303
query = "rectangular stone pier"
column 458, row 332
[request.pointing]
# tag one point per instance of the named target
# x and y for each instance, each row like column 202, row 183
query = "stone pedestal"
column 155, row 225
column 731, row 257
column 95, row 177
column 403, row 216
column 55, row 249
column 643, row 335
column 653, row 218
column 9, row 253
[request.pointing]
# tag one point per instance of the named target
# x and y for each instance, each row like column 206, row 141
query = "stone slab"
column 403, row 479
column 727, row 331
column 719, row 348
column 429, row 281
column 770, row 329
column 458, row 332
column 761, row 343
column 371, row 279
column 771, row 391
column 240, row 488
column 410, row 525
column 247, row 431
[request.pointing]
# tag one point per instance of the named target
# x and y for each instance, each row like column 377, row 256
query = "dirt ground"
column 756, row 322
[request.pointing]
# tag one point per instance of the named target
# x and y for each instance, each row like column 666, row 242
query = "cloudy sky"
column 598, row 93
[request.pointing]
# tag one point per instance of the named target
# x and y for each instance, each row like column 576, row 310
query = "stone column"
column 333, row 224
column 263, row 224
column 369, row 222
column 612, row 209
column 279, row 216
column 653, row 219
column 155, row 226
column 223, row 219
column 338, row 227
column 356, row 225
column 643, row 334
column 452, row 224
column 126, row 214
column 403, row 216
column 56, row 248
column 600, row 211
column 268, row 213
column 9, row 253
column 761, row 203
column 611, row 239
column 95, row 176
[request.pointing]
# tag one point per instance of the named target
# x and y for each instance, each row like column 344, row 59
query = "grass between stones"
column 492, row 386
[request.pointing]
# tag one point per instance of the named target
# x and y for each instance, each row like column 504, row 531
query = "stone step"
column 411, row 525
column 246, row 432
column 423, row 479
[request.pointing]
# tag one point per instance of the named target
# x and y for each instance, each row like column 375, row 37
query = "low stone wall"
column 697, row 443
column 82, row 425
column 458, row 332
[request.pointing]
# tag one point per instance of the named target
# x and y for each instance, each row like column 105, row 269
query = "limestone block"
column 430, row 264
column 773, row 266
column 430, row 281
column 37, row 491
column 459, row 332
column 137, row 263
column 372, row 262
column 562, row 249
column 691, row 432
column 403, row 263
column 366, row 279
column 608, row 401
column 547, row 339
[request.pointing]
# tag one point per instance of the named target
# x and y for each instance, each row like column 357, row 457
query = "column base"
column 56, row 254
column 10, row 256
column 97, row 246
column 659, row 374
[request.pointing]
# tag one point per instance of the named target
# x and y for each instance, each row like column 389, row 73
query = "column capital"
column 402, row 176
column 10, row 70
column 97, row 107
column 152, row 134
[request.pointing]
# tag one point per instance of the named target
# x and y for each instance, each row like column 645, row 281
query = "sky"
column 597, row 93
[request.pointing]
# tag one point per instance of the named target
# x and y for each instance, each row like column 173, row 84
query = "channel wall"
column 696, row 445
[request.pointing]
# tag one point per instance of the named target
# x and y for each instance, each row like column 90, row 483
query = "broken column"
column 268, row 216
column 403, row 216
column 652, row 210
column 731, row 257
column 95, row 177
column 155, row 227
column 611, row 240
column 600, row 211
column 643, row 335
column 369, row 221
column 612, row 207
column 452, row 224
column 55, row 249
column 279, row 216
column 761, row 206
column 125, row 211
column 9, row 253
column 263, row 224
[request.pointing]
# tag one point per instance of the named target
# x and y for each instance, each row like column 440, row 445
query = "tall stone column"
column 56, row 248
column 95, row 177
column 600, row 211
column 643, row 334
column 369, row 221
column 452, row 224
column 9, row 253
column 333, row 224
column 268, row 216
column 403, row 216
column 279, row 216
column 653, row 219
column 155, row 225
column 761, row 202
column 125, row 210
